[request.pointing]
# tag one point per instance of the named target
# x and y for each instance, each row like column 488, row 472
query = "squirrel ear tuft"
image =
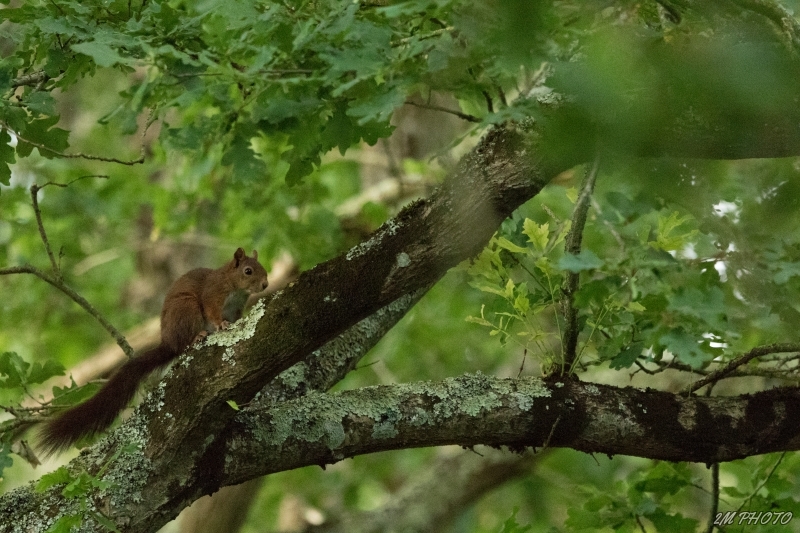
column 255, row 254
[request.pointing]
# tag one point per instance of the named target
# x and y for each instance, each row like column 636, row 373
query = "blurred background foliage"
column 297, row 128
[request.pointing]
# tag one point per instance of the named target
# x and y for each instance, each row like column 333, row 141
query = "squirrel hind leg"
column 181, row 329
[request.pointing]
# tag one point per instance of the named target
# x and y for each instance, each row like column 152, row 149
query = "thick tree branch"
column 476, row 409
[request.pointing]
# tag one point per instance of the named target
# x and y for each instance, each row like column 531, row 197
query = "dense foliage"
column 196, row 127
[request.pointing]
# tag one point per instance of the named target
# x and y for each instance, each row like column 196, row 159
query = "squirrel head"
column 247, row 273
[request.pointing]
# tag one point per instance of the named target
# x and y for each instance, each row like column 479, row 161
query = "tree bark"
column 518, row 413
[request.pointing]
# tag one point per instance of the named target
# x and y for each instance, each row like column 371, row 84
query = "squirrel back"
column 198, row 303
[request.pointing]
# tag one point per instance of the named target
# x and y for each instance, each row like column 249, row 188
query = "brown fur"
column 199, row 302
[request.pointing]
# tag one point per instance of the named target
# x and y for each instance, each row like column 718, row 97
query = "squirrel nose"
column 264, row 284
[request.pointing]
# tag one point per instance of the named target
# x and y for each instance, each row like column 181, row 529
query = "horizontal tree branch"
column 476, row 409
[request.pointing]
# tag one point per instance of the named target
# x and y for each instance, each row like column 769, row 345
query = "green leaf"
column 504, row 243
column 685, row 347
column 41, row 102
column 73, row 394
column 572, row 195
column 57, row 477
column 246, row 165
column 234, row 405
column 708, row 305
column 15, row 370
column 509, row 289
column 676, row 523
column 585, row 260
column 594, row 292
column 583, row 519
column 488, row 288
column 662, row 485
column 105, row 522
column 511, row 525
column 101, row 53
column 478, row 320
column 66, row 523
column 340, row 131
column 42, row 372
column 538, row 235
column 5, row 457
column 627, row 356
column 522, row 304
column 7, row 157
column 43, row 132
column 79, row 486
column 669, row 238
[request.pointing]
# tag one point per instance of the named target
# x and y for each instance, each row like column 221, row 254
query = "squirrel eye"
column 248, row 271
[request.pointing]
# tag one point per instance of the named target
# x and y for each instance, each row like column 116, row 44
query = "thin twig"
column 714, row 487
column 573, row 246
column 77, row 298
column 741, row 360
column 430, row 35
column 34, row 79
column 35, row 201
column 552, row 431
column 77, row 155
column 714, row 496
column 459, row 114
column 34, row 198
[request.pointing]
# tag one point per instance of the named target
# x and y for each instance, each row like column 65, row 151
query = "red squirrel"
column 200, row 302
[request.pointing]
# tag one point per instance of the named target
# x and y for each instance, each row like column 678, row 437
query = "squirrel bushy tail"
column 98, row 412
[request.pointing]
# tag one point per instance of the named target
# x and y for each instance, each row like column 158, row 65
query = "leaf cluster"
column 660, row 281
column 318, row 75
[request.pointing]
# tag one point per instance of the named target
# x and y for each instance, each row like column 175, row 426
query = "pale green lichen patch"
column 390, row 227
column 384, row 430
column 420, row 417
column 294, row 375
column 334, row 434
column 470, row 394
column 229, row 356
column 687, row 416
column 524, row 402
column 318, row 416
column 534, row 388
column 244, row 328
